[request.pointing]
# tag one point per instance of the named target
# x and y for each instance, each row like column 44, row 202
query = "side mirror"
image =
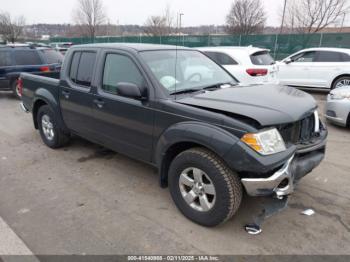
column 130, row 90
column 288, row 60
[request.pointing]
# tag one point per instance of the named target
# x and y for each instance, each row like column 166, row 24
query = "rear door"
column 327, row 65
column 125, row 124
column 76, row 94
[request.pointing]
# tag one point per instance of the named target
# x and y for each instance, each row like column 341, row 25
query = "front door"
column 297, row 73
column 124, row 124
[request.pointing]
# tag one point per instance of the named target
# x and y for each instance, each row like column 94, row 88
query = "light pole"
column 283, row 16
column 180, row 19
column 180, row 24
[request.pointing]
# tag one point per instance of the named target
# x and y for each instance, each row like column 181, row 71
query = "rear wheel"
column 51, row 135
column 15, row 89
column 341, row 82
column 203, row 188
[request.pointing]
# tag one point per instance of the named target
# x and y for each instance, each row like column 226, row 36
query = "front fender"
column 214, row 138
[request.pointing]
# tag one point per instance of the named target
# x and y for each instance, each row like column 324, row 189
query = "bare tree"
column 11, row 28
column 311, row 16
column 159, row 25
column 246, row 17
column 90, row 15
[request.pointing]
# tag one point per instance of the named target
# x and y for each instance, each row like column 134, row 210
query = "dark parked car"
column 179, row 111
column 17, row 59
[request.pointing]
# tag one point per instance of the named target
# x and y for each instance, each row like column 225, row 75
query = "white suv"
column 249, row 65
column 316, row 68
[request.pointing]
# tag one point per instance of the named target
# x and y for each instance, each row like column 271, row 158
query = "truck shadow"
column 7, row 95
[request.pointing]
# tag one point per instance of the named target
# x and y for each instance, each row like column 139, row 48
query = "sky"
column 196, row 12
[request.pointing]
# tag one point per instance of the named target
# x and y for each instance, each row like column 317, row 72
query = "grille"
column 300, row 132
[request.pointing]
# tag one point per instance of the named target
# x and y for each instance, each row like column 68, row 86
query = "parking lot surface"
column 83, row 199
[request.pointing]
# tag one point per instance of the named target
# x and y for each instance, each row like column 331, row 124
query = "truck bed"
column 36, row 83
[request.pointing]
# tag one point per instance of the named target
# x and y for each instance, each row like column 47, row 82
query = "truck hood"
column 267, row 104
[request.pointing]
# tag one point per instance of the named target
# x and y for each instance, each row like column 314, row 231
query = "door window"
column 120, row 69
column 27, row 57
column 5, row 58
column 74, row 67
column 221, row 58
column 85, row 68
column 326, row 56
column 304, row 57
column 345, row 57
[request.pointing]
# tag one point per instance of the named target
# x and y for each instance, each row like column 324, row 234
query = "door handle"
column 99, row 103
column 66, row 94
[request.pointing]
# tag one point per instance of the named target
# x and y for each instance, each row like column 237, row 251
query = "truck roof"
column 136, row 47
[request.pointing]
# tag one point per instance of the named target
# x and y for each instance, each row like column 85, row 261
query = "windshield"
column 193, row 70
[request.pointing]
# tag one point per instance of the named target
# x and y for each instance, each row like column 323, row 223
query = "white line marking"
column 11, row 244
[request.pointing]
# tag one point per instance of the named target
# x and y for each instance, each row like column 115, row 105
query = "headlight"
column 340, row 95
column 266, row 142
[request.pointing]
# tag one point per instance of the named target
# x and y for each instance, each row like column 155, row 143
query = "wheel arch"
column 44, row 97
column 37, row 104
column 338, row 77
column 184, row 136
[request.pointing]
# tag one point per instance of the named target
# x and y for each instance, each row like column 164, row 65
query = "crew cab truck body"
column 181, row 112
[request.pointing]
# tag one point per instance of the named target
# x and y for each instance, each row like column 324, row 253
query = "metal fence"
column 280, row 45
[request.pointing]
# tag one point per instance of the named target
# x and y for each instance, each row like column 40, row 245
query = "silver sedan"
column 338, row 106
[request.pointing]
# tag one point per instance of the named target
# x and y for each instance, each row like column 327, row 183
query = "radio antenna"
column 176, row 42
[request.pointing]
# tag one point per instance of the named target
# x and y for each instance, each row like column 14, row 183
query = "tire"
column 226, row 199
column 15, row 90
column 51, row 135
column 344, row 79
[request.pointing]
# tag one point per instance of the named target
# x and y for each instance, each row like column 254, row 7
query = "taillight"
column 257, row 72
column 45, row 69
column 20, row 86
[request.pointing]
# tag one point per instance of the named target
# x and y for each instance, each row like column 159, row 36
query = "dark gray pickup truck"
column 178, row 110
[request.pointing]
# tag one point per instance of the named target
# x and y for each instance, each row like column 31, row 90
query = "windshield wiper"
column 217, row 86
column 184, row 91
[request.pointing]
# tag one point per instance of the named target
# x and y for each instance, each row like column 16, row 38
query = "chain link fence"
column 280, row 45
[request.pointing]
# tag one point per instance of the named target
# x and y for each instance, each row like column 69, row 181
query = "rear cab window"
column 27, row 57
column 82, row 68
column 262, row 58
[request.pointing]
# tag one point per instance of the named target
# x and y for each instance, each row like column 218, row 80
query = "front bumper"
column 338, row 111
column 283, row 181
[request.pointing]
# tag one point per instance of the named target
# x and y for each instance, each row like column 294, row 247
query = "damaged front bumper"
column 281, row 183
column 284, row 180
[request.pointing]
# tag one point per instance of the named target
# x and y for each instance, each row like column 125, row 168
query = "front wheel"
column 341, row 82
column 50, row 133
column 203, row 188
